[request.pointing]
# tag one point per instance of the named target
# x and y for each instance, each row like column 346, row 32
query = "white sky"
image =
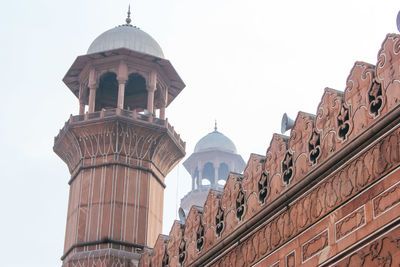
column 244, row 63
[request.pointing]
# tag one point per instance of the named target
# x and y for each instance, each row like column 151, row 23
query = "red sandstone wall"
column 107, row 202
column 328, row 194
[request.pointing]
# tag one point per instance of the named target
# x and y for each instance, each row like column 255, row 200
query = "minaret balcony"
column 118, row 136
column 124, row 114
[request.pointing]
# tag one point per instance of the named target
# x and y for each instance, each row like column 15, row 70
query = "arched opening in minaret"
column 205, row 182
column 107, row 92
column 223, row 172
column 208, row 174
column 135, row 92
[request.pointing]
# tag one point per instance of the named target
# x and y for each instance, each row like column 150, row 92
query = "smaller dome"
column 215, row 141
column 126, row 36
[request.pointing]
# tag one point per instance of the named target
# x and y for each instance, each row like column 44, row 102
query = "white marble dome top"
column 126, row 36
column 215, row 141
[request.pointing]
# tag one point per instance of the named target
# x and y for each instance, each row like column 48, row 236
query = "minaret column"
column 81, row 101
column 122, row 78
column 215, row 173
column 92, row 90
column 81, row 108
column 200, row 180
column 164, row 104
column 150, row 91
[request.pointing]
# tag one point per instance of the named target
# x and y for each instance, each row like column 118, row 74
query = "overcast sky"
column 244, row 63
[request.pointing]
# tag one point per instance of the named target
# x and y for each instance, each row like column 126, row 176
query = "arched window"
column 209, row 172
column 205, row 182
column 107, row 92
column 223, row 172
column 135, row 92
column 221, row 182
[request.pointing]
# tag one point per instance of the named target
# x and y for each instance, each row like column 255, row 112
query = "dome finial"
column 215, row 126
column 128, row 19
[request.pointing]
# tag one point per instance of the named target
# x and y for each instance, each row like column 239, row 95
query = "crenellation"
column 298, row 145
column 228, row 204
column 208, row 221
column 175, row 238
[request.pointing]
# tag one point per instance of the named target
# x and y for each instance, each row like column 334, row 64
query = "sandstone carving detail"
column 386, row 200
column 291, row 260
column 208, row 221
column 160, row 249
column 171, row 255
column 387, row 70
column 363, row 96
column 326, row 122
column 349, row 223
column 382, row 252
column 228, row 203
column 145, row 259
column 371, row 92
column 329, row 194
column 114, row 140
column 251, row 185
column 314, row 246
column 298, row 144
column 188, row 244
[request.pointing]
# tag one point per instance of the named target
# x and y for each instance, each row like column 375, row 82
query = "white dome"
column 215, row 141
column 126, row 36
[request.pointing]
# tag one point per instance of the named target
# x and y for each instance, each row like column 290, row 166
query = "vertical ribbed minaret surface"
column 119, row 148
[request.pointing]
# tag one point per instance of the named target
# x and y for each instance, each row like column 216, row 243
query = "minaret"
column 213, row 158
column 119, row 148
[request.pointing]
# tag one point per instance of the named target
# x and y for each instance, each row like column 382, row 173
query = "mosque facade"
column 328, row 194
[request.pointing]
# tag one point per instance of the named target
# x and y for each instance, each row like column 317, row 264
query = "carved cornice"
column 116, row 141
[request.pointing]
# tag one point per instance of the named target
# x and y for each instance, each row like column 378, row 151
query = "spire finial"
column 128, row 19
column 215, row 126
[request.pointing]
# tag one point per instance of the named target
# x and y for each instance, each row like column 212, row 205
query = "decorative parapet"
column 126, row 114
column 126, row 137
column 327, row 159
